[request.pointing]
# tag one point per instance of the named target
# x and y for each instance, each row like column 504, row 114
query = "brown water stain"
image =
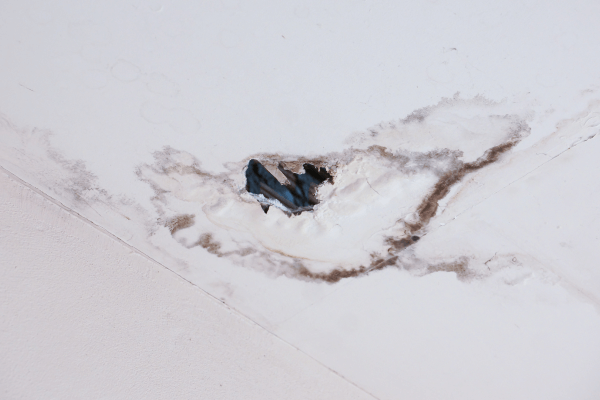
column 207, row 242
column 179, row 222
column 445, row 164
column 426, row 211
column 451, row 171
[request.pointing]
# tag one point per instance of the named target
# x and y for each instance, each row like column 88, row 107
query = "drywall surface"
column 454, row 255
column 84, row 316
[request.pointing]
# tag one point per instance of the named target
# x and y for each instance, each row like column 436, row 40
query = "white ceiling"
column 91, row 91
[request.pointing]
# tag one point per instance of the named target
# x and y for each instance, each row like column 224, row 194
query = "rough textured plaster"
column 83, row 316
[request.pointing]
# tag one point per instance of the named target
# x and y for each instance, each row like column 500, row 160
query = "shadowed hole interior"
column 296, row 195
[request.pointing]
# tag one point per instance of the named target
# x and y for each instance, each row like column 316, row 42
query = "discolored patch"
column 179, row 222
column 207, row 242
column 370, row 203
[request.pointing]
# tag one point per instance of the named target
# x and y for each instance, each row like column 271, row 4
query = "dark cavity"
column 298, row 194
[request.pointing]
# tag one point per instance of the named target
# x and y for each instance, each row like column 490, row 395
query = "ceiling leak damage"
column 294, row 196
column 342, row 214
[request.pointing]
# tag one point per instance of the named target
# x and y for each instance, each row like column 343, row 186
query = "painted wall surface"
column 83, row 316
column 455, row 251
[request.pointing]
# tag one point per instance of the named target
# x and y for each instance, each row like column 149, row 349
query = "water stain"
column 71, row 180
column 258, row 177
column 179, row 222
column 207, row 242
column 291, row 183
column 426, row 210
